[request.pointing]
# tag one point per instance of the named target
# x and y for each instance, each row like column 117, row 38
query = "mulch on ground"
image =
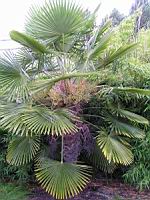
column 100, row 190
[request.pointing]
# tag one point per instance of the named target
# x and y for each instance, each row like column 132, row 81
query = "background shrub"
column 10, row 172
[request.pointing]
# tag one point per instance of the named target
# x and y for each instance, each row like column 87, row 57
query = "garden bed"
column 100, row 190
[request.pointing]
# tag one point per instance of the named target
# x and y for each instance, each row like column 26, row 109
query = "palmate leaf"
column 99, row 161
column 114, row 148
column 25, row 57
column 126, row 129
column 54, row 19
column 34, row 63
column 62, row 180
column 131, row 116
column 35, row 120
column 22, row 150
column 28, row 41
column 13, row 79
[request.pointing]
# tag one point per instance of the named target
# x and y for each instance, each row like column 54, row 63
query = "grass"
column 9, row 191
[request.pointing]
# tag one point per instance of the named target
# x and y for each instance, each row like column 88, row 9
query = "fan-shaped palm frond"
column 99, row 161
column 13, row 79
column 28, row 41
column 54, row 19
column 35, row 120
column 62, row 180
column 131, row 116
column 125, row 128
column 114, row 148
column 25, row 58
column 35, row 63
column 59, row 36
column 22, row 150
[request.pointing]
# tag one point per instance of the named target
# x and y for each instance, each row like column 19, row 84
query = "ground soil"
column 100, row 190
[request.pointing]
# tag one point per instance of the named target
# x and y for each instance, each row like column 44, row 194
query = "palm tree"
column 61, row 43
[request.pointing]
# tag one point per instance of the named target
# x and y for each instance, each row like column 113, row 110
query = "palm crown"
column 61, row 43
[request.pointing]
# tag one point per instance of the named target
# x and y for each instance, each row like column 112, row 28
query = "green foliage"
column 139, row 172
column 114, row 148
column 125, row 31
column 115, row 54
column 12, row 192
column 114, row 126
column 62, row 180
column 28, row 41
column 134, row 69
column 29, row 120
column 55, row 19
column 10, row 172
column 99, row 161
column 73, row 48
column 144, row 46
column 13, row 79
column 115, row 16
column 136, row 74
column 22, row 150
column 131, row 116
column 136, row 91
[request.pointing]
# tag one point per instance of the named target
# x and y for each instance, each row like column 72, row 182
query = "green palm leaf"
column 116, row 54
column 35, row 120
column 101, row 46
column 99, row 161
column 41, row 84
column 28, row 41
column 13, row 79
column 126, row 129
column 103, row 29
column 54, row 19
column 136, row 91
column 22, row 150
column 25, row 57
column 62, row 180
column 114, row 148
column 131, row 116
